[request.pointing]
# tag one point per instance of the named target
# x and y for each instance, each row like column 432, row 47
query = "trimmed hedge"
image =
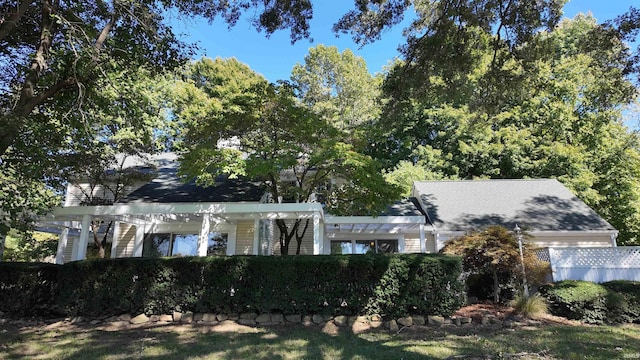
column 390, row 285
column 610, row 302
column 29, row 289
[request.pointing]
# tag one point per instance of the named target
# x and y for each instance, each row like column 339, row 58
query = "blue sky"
column 275, row 57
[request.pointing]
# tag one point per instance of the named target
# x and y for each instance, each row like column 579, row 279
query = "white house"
column 167, row 217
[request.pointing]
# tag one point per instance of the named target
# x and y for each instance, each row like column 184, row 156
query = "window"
column 166, row 244
column 377, row 246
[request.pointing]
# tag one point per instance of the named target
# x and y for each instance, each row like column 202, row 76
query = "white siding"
column 306, row 247
column 412, row 243
column 71, row 240
column 582, row 240
column 77, row 193
column 126, row 240
column 244, row 238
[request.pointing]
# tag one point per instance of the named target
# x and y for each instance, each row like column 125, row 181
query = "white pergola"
column 205, row 214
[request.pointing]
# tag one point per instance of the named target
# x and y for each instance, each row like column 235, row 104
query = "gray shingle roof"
column 541, row 204
column 168, row 188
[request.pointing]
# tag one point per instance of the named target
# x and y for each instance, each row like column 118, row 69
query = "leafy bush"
column 390, row 285
column 28, row 289
column 615, row 301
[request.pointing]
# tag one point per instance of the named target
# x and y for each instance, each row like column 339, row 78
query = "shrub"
column 615, row 301
column 29, row 289
column 390, row 285
column 530, row 307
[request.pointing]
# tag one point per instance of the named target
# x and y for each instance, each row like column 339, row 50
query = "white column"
column 257, row 242
column 80, row 247
column 139, row 241
column 317, row 240
column 62, row 245
column 203, row 238
column 114, row 239
column 436, row 239
column 423, row 241
column 614, row 236
column 401, row 244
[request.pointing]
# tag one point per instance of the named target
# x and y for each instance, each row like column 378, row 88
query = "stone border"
column 356, row 323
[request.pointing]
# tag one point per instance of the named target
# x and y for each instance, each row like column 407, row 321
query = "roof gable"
column 539, row 204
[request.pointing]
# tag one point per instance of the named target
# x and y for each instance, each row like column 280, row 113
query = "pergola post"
column 79, row 251
column 203, row 238
column 139, row 241
column 423, row 242
column 318, row 243
column 62, row 245
column 114, row 240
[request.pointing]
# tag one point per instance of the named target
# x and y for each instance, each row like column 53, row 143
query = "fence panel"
column 594, row 264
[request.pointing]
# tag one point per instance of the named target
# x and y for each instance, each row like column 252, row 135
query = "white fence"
column 593, row 264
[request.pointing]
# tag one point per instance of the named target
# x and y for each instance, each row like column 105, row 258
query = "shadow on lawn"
column 291, row 342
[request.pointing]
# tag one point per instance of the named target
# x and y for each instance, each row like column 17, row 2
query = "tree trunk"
column 496, row 286
column 3, row 237
column 299, row 236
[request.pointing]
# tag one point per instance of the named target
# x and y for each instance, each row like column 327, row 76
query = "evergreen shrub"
column 29, row 289
column 611, row 302
column 389, row 285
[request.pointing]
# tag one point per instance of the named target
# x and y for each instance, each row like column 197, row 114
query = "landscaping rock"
column 245, row 321
column 197, row 317
column 484, row 320
column 360, row 327
column 250, row 316
column 375, row 324
column 466, row 320
column 140, row 319
column 393, row 326
column 418, row 320
column 277, row 318
column 124, row 317
column 340, row 320
column 154, row 318
column 187, row 317
column 177, row 316
column 222, row 317
column 375, row 317
column 77, row 320
column 166, row 318
column 294, row 318
column 307, row 320
column 317, row 319
column 435, row 320
column 209, row 318
column 406, row 321
column 263, row 318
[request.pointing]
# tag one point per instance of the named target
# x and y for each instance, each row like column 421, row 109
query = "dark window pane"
column 217, row 244
column 156, row 245
column 387, row 246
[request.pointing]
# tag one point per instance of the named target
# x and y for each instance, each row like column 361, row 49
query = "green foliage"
column 343, row 284
column 29, row 289
column 615, row 301
column 30, row 246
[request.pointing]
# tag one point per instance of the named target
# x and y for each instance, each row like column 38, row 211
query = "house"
column 167, row 217
column 544, row 208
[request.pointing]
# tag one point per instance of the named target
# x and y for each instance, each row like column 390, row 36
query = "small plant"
column 530, row 307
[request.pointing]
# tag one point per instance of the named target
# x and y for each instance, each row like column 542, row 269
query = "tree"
column 494, row 251
column 338, row 87
column 295, row 153
column 58, row 58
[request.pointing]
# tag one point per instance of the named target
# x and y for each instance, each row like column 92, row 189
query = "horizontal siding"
column 431, row 242
column 586, row 240
column 306, row 246
column 244, row 238
column 78, row 193
column 68, row 251
column 412, row 243
column 126, row 240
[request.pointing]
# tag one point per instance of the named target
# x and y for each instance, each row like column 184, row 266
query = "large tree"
column 71, row 70
column 549, row 107
column 297, row 154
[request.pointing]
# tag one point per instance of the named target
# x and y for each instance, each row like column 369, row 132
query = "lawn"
column 300, row 342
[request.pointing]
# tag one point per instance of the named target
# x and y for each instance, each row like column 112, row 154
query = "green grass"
column 200, row 342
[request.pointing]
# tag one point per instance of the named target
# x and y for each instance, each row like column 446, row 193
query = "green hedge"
column 610, row 302
column 392, row 285
column 29, row 289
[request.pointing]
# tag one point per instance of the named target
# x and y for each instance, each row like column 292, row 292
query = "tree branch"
column 10, row 23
